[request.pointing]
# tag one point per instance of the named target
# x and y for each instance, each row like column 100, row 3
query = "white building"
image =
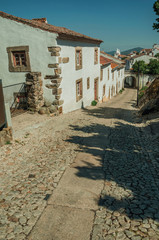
column 155, row 49
column 113, row 76
column 117, row 53
column 57, row 65
column 141, row 57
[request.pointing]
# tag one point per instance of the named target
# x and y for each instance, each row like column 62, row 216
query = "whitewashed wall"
column 145, row 58
column 18, row 34
column 70, row 74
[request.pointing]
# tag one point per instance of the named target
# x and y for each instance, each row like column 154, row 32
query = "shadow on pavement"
column 129, row 184
column 109, row 113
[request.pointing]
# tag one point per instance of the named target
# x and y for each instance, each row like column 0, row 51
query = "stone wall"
column 35, row 96
column 5, row 136
column 34, row 90
column 55, row 78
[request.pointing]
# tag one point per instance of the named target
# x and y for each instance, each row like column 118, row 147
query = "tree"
column 153, row 66
column 156, row 10
column 157, row 55
column 140, row 66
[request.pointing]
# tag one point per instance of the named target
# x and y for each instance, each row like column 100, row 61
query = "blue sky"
column 120, row 24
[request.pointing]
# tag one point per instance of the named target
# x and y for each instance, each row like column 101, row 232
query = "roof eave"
column 78, row 38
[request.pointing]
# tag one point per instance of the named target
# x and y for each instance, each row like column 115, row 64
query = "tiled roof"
column 146, row 50
column 136, row 56
column 104, row 60
column 63, row 33
column 112, row 57
column 114, row 65
column 122, row 55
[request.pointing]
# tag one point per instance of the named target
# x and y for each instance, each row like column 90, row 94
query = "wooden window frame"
column 79, row 97
column 78, row 66
column 12, row 66
column 96, row 56
column 104, row 90
column 101, row 74
column 113, row 76
column 88, row 83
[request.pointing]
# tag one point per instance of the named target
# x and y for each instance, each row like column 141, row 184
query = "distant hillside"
column 138, row 49
column 126, row 52
column 111, row 53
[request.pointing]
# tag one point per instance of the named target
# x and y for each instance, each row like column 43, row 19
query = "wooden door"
column 2, row 107
column 96, row 89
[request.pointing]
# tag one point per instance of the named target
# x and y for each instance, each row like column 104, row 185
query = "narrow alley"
column 89, row 175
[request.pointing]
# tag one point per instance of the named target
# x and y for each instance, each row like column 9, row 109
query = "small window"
column 96, row 56
column 88, row 83
column 119, row 73
column 113, row 76
column 79, row 90
column 103, row 90
column 101, row 74
column 108, row 73
column 78, row 60
column 19, row 59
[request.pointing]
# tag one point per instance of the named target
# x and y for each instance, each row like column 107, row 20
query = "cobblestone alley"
column 92, row 174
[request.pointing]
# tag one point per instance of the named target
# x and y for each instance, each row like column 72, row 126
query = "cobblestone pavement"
column 130, row 197
column 31, row 168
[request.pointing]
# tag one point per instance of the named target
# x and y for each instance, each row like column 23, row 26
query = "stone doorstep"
column 5, row 135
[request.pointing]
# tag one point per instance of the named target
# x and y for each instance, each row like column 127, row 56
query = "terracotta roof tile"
column 114, row 65
column 63, row 33
column 104, row 60
column 114, row 58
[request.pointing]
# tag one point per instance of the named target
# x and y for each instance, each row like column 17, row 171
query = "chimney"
column 43, row 20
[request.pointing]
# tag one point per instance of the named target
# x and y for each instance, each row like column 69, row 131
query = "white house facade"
column 141, row 57
column 113, row 76
column 59, row 67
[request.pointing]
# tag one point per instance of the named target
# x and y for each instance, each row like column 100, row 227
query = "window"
column 101, row 74
column 113, row 76
column 78, row 58
column 19, row 59
column 119, row 73
column 96, row 56
column 88, row 83
column 79, row 91
column 103, row 90
column 108, row 73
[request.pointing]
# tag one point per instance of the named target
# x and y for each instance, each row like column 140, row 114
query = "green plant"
column 121, row 91
column 94, row 103
column 142, row 91
column 140, row 66
column 8, row 142
column 156, row 10
column 153, row 66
